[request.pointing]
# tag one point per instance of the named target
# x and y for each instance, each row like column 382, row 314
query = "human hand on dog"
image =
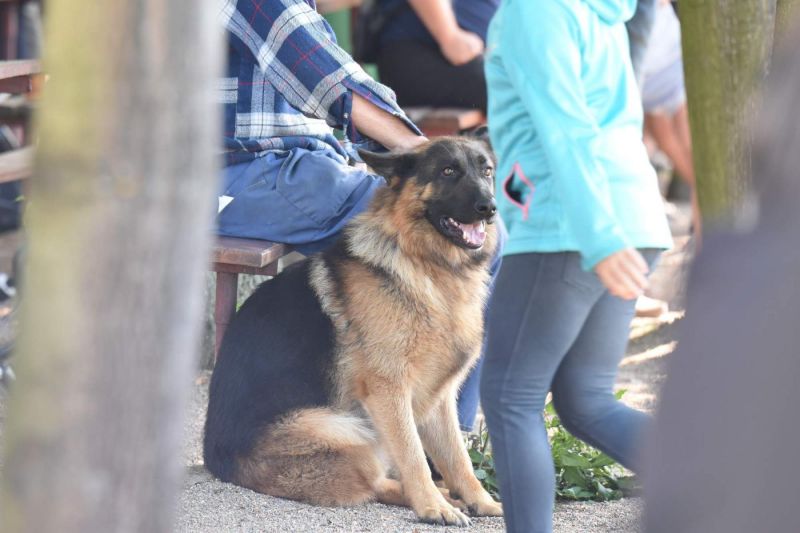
column 624, row 273
column 460, row 46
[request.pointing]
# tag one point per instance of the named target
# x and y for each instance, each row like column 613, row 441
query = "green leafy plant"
column 480, row 452
column 582, row 472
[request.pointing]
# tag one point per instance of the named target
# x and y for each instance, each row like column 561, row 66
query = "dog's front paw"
column 485, row 508
column 442, row 513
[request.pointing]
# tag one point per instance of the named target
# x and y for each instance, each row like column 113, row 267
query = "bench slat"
column 246, row 252
column 269, row 270
column 16, row 164
column 16, row 68
column 461, row 119
column 444, row 120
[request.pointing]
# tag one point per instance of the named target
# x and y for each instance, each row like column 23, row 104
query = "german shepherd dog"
column 355, row 356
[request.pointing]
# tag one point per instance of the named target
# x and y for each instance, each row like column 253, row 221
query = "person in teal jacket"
column 586, row 224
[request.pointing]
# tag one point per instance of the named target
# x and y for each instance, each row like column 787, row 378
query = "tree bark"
column 726, row 50
column 787, row 16
column 119, row 216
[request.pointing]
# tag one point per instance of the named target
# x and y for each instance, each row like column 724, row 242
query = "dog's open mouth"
column 470, row 236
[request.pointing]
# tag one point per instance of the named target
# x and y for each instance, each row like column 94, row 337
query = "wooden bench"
column 438, row 121
column 16, row 164
column 230, row 257
column 17, row 77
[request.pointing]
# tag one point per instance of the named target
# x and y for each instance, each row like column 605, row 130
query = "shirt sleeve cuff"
column 377, row 94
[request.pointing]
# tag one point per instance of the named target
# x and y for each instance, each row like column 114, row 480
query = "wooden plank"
column 16, row 84
column 13, row 69
column 417, row 114
column 16, row 164
column 269, row 270
column 444, row 120
column 458, row 119
column 225, row 305
column 247, row 252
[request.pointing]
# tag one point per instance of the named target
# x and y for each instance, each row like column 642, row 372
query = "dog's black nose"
column 486, row 207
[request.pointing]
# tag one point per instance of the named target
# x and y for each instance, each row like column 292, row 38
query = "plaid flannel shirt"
column 288, row 82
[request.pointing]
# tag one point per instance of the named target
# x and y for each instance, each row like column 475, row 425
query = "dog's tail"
column 317, row 429
column 318, row 455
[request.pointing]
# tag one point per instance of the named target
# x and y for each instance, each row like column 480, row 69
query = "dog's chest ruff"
column 403, row 326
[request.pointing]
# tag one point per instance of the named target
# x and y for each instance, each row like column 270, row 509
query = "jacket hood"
column 612, row 11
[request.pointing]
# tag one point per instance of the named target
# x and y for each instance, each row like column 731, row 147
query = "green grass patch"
column 582, row 472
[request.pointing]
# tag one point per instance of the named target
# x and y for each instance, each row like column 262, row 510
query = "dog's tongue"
column 475, row 233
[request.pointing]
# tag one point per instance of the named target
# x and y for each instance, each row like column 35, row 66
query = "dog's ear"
column 391, row 165
column 481, row 133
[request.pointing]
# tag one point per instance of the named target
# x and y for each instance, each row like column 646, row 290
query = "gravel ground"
column 208, row 505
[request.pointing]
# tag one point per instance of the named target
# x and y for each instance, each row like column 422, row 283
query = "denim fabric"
column 553, row 326
column 298, row 197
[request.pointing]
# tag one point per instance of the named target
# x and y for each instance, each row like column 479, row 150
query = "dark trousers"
column 421, row 76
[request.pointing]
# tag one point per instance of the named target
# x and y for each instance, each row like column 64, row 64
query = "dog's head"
column 451, row 180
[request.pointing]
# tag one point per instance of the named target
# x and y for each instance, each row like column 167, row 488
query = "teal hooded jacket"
column 565, row 120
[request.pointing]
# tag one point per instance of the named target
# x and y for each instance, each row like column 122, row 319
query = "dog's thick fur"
column 357, row 354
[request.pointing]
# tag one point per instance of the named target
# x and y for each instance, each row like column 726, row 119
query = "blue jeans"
column 305, row 198
column 299, row 197
column 553, row 327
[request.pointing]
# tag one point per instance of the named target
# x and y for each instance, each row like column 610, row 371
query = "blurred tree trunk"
column 119, row 215
column 726, row 50
column 786, row 16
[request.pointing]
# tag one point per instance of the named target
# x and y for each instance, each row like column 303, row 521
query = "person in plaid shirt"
column 287, row 85
column 286, row 177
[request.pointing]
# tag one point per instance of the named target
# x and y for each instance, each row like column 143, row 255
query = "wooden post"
column 224, row 305
column 787, row 15
column 120, row 211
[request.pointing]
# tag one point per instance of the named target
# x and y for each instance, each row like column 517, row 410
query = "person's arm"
column 457, row 45
column 545, row 67
column 383, row 127
column 294, row 47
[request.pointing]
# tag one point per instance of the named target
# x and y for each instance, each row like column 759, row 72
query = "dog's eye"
column 447, row 171
column 488, row 172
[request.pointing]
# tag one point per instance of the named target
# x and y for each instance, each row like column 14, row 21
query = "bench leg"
column 225, row 306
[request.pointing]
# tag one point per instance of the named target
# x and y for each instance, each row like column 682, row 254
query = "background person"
column 664, row 100
column 431, row 51
column 639, row 28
